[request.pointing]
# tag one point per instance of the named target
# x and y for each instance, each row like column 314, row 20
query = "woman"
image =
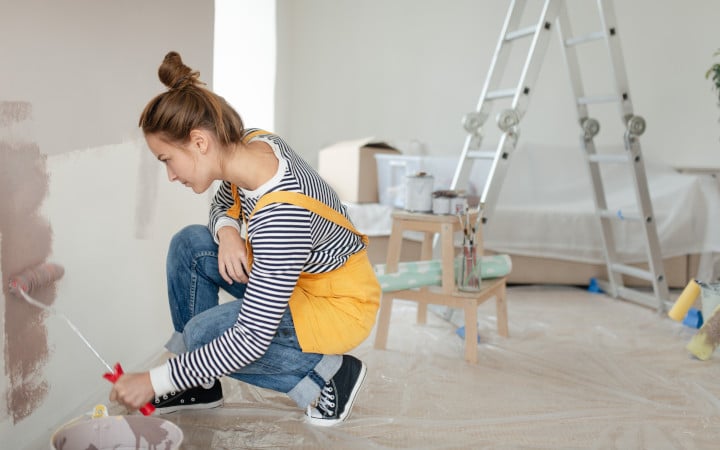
column 279, row 241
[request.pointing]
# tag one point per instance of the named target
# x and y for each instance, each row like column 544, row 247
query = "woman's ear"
column 199, row 140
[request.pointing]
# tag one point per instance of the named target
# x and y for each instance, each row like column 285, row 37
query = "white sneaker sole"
column 172, row 409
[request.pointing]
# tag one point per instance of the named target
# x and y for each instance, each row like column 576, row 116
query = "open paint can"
column 117, row 432
column 418, row 192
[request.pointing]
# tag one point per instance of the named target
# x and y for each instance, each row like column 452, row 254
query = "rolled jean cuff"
column 176, row 344
column 308, row 389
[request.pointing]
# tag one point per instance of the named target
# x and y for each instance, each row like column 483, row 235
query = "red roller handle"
column 148, row 408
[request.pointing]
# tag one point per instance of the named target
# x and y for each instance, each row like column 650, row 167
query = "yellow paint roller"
column 685, row 301
column 706, row 340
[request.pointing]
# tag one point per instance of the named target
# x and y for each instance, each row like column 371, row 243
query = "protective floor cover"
column 580, row 370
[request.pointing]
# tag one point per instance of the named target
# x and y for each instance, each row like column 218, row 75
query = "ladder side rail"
column 615, row 279
column 510, row 119
column 536, row 54
column 494, row 180
column 497, row 68
column 632, row 145
column 654, row 252
column 617, row 60
column 572, row 64
column 501, row 53
column 461, row 175
column 587, row 144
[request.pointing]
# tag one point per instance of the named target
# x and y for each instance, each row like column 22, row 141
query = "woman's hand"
column 133, row 390
column 232, row 256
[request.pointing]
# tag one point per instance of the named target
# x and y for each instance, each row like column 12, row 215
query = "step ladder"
column 554, row 16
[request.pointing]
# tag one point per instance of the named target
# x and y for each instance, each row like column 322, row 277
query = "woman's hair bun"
column 175, row 74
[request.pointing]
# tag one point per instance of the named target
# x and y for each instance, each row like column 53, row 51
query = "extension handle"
column 112, row 377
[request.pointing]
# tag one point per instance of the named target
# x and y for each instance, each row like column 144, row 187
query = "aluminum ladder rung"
column 632, row 271
column 634, row 295
column 500, row 93
column 595, row 99
column 609, row 158
column 477, row 154
column 520, row 33
column 590, row 37
column 631, row 217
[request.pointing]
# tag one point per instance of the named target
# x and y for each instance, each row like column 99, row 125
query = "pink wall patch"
column 26, row 242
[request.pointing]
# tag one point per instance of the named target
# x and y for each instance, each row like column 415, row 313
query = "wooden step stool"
column 447, row 294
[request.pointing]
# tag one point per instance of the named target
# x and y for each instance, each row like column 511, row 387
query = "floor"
column 579, row 370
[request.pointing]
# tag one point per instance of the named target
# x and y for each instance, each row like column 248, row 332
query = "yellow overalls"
column 334, row 311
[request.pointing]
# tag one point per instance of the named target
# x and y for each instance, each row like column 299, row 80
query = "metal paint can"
column 441, row 202
column 458, row 204
column 418, row 192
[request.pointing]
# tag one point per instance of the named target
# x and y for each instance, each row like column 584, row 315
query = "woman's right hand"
column 232, row 256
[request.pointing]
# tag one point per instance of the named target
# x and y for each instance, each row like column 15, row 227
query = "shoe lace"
column 165, row 397
column 326, row 402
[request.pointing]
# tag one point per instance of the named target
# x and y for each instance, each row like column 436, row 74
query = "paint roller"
column 684, row 301
column 44, row 275
column 706, row 340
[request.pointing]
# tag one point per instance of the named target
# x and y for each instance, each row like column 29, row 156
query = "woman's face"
column 184, row 163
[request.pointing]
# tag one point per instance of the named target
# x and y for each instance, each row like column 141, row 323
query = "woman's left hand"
column 132, row 390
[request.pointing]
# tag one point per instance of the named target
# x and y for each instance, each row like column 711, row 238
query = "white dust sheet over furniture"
column 545, row 210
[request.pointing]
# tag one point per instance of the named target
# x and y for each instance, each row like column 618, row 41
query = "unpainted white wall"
column 88, row 67
column 244, row 59
column 407, row 70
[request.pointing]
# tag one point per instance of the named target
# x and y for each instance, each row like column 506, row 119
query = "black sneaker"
column 338, row 395
column 194, row 398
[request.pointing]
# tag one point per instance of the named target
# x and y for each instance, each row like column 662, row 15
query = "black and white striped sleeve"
column 281, row 243
column 221, row 203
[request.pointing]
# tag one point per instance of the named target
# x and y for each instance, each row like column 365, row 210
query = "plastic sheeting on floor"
column 579, row 370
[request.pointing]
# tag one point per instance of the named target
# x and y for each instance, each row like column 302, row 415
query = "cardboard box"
column 350, row 168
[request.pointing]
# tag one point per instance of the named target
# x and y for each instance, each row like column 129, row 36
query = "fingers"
column 236, row 271
column 233, row 271
column 224, row 274
column 232, row 259
column 132, row 391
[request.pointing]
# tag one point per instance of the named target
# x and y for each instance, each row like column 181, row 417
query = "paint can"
column 117, row 432
column 441, row 202
column 458, row 204
column 418, row 192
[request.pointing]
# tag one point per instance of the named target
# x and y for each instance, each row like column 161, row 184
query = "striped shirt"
column 286, row 240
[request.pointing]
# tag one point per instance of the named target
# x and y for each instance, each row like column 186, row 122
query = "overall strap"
column 307, row 202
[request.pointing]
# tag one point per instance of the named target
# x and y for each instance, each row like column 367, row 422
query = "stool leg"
column 425, row 254
column 421, row 313
column 471, row 332
column 383, row 323
column 501, row 308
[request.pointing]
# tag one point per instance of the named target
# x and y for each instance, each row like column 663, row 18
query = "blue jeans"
column 194, row 282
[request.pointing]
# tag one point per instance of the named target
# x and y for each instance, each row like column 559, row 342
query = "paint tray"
column 117, row 432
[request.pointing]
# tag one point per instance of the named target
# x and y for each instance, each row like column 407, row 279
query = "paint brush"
column 44, row 275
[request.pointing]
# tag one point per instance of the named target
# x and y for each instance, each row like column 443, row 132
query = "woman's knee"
column 188, row 241
column 209, row 324
column 196, row 333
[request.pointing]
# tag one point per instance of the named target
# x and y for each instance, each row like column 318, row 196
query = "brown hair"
column 187, row 105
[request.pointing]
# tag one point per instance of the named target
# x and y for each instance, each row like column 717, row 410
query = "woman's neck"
column 249, row 166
